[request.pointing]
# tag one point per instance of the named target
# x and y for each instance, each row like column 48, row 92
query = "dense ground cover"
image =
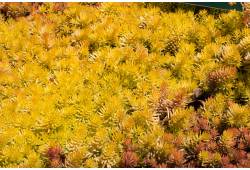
column 121, row 85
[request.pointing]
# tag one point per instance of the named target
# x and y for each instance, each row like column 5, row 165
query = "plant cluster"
column 124, row 85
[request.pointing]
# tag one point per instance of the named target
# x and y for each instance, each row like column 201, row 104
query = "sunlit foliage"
column 121, row 85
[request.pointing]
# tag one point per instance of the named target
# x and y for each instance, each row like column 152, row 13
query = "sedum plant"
column 123, row 85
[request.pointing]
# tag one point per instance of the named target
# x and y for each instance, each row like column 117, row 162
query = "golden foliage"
column 77, row 80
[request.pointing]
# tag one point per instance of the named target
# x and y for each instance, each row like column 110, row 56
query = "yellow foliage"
column 89, row 77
